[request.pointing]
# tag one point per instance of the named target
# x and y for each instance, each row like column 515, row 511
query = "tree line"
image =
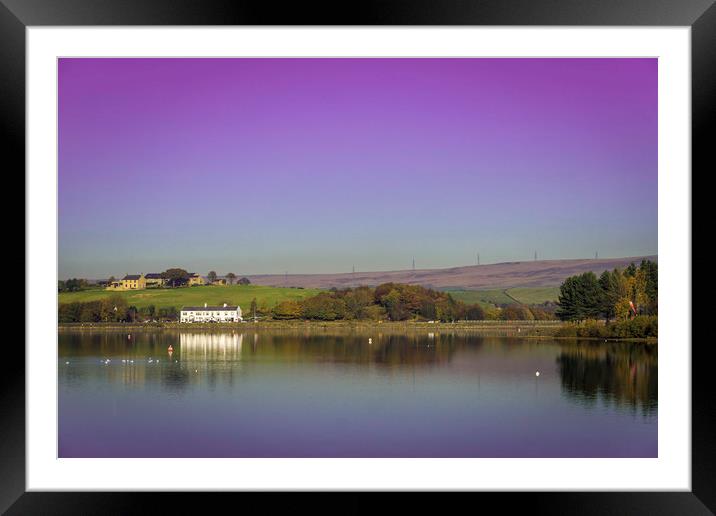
column 396, row 302
column 112, row 309
column 615, row 295
column 72, row 285
column 177, row 277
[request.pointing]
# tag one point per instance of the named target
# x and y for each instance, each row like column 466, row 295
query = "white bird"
column 67, row 363
column 537, row 373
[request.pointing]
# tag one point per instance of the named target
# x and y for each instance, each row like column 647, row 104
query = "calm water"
column 303, row 395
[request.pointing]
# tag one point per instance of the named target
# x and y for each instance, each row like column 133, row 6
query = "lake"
column 320, row 394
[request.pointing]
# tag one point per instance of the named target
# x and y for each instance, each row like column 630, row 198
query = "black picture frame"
column 700, row 15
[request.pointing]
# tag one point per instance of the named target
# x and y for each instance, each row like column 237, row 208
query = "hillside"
column 542, row 273
column 523, row 295
column 195, row 296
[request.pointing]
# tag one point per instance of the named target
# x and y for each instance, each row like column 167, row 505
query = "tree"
column 516, row 312
column 324, row 307
column 428, row 309
column 176, row 277
column 579, row 298
column 356, row 302
column 651, row 288
column 609, row 295
column 231, row 277
column 253, row 307
column 244, row 281
column 168, row 313
column 74, row 285
column 540, row 314
column 287, row 310
column 69, row 312
column 211, row 276
column 394, row 306
column 630, row 271
column 474, row 313
column 90, row 312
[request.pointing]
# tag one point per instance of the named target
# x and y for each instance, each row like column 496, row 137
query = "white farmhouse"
column 201, row 314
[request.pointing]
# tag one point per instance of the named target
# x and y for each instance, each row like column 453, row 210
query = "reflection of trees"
column 622, row 374
column 382, row 350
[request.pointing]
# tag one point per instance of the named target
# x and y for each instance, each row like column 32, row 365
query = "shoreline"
column 514, row 329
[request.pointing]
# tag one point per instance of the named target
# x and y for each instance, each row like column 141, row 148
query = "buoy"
column 537, row 373
column 370, row 341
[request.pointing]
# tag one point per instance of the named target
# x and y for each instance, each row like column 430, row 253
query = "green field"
column 196, row 296
column 527, row 295
column 534, row 295
column 483, row 297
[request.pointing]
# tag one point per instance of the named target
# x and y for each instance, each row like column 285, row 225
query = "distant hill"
column 542, row 273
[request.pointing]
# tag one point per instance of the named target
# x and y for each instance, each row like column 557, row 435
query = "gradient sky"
column 314, row 165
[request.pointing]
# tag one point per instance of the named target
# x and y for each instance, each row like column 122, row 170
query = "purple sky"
column 314, row 165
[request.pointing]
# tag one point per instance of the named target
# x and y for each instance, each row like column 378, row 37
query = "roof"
column 132, row 277
column 212, row 308
column 153, row 275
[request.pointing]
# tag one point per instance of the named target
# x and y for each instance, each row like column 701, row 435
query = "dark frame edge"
column 12, row 132
column 703, row 127
column 702, row 499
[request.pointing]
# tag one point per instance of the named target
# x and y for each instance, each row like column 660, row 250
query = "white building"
column 199, row 314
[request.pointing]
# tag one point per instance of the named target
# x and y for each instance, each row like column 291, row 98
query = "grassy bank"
column 195, row 296
column 521, row 329
column 487, row 328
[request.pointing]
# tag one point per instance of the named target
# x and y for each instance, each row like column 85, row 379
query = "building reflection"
column 210, row 346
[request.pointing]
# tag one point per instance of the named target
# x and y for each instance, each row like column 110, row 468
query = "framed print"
column 419, row 249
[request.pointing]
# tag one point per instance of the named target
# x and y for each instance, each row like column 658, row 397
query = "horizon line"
column 411, row 270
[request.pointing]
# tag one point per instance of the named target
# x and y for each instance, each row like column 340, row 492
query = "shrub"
column 324, row 307
column 641, row 326
column 287, row 310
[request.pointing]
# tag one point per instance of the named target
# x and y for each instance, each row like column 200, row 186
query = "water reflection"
column 213, row 346
column 314, row 394
column 624, row 375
